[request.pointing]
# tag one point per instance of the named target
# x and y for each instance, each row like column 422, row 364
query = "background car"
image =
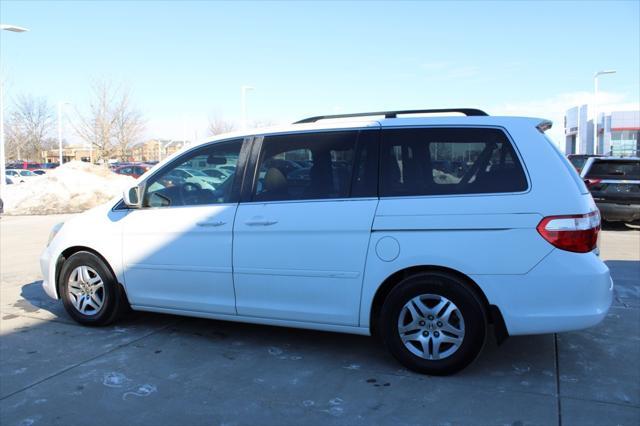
column 218, row 174
column 19, row 175
column 135, row 171
column 579, row 160
column 614, row 183
column 39, row 172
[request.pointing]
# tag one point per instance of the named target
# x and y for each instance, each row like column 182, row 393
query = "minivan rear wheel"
column 433, row 323
column 89, row 291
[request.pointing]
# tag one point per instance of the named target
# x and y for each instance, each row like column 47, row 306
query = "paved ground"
column 166, row 370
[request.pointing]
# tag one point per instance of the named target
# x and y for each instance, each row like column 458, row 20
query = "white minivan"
column 421, row 230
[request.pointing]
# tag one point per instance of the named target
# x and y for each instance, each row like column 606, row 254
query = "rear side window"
column 440, row 161
column 607, row 169
column 305, row 166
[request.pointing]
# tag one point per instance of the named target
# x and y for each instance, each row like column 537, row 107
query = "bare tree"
column 218, row 125
column 111, row 124
column 29, row 128
column 129, row 125
column 260, row 123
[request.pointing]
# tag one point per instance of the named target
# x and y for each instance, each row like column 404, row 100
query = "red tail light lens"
column 592, row 182
column 576, row 233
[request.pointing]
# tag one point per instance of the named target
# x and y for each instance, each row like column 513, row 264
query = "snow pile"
column 73, row 187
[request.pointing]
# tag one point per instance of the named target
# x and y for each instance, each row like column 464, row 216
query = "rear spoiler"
column 544, row 125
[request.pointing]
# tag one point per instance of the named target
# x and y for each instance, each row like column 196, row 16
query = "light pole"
column 60, row 107
column 243, row 102
column 3, row 178
column 595, row 109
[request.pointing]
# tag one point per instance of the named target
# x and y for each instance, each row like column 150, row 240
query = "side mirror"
column 133, row 197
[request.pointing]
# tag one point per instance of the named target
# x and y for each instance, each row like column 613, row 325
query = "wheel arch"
column 70, row 251
column 494, row 316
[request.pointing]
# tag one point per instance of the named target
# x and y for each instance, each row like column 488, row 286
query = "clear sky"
column 185, row 61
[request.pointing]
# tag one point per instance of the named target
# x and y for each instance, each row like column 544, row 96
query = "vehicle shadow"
column 497, row 365
column 626, row 281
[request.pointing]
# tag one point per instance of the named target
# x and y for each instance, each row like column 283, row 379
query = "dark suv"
column 614, row 183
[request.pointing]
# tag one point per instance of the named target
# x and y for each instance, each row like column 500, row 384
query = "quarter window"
column 439, row 161
column 192, row 179
column 305, row 166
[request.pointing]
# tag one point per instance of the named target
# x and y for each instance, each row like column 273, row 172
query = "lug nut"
column 425, row 333
column 435, row 333
column 439, row 324
column 430, row 317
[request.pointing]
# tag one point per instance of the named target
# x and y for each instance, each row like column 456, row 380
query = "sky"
column 185, row 62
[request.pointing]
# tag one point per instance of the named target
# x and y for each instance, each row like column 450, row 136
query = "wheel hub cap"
column 431, row 326
column 86, row 290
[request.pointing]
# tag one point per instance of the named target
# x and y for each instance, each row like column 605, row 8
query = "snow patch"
column 74, row 187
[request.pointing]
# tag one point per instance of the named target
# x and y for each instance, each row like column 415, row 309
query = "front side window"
column 188, row 181
column 305, row 166
column 440, row 161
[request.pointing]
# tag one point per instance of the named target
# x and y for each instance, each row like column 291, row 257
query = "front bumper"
column 48, row 269
column 613, row 212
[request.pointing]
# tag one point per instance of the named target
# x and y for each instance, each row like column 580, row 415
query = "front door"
column 300, row 242
column 177, row 247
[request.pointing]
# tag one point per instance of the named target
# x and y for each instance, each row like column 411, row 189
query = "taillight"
column 592, row 182
column 576, row 233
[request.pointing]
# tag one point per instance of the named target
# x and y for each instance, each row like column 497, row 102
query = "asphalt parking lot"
column 166, row 370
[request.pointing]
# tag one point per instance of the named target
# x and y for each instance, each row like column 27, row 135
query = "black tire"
column 455, row 290
column 112, row 293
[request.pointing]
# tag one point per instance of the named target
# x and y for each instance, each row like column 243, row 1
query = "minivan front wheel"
column 90, row 293
column 433, row 324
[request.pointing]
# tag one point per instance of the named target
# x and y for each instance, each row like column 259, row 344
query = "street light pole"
column 243, row 102
column 60, row 106
column 3, row 178
column 595, row 109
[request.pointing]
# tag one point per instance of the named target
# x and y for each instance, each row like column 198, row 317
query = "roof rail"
column 394, row 114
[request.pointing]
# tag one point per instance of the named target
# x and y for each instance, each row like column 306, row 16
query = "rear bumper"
column 613, row 212
column 565, row 291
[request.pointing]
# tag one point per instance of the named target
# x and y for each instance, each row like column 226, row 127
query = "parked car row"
column 29, row 165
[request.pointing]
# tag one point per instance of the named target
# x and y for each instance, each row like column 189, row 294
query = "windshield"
column 27, row 173
column 611, row 169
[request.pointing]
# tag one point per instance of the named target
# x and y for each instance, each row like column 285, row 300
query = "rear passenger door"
column 301, row 236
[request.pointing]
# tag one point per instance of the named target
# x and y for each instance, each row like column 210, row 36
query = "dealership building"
column 618, row 132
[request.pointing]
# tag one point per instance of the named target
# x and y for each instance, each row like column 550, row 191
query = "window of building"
column 439, row 161
column 305, row 166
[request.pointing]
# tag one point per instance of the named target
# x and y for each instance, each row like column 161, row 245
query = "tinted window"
column 440, row 161
column 305, row 166
column 608, row 169
column 184, row 183
column 578, row 162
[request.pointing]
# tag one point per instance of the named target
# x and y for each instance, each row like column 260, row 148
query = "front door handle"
column 210, row 224
column 262, row 222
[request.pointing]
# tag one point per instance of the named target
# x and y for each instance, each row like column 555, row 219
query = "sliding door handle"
column 260, row 222
column 210, row 224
